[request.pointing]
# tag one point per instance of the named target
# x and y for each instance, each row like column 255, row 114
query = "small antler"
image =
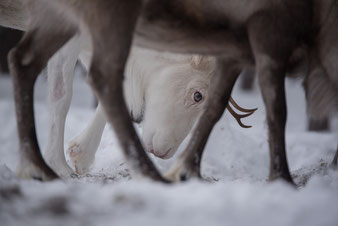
column 237, row 116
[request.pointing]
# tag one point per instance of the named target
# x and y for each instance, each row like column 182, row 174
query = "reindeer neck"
column 143, row 68
column 135, row 83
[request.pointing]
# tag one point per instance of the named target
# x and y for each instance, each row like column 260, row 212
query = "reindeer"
column 179, row 81
column 166, row 91
column 262, row 32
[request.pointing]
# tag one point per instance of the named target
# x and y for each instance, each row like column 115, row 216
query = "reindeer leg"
column 26, row 62
column 82, row 148
column 318, row 124
column 188, row 163
column 270, row 58
column 60, row 80
column 110, row 52
column 335, row 159
column 271, row 81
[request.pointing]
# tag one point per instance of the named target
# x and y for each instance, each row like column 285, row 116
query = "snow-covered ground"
column 236, row 160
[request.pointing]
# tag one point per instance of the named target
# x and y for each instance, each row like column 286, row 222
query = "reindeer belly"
column 197, row 26
column 188, row 41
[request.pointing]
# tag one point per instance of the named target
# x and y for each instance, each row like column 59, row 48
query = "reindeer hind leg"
column 270, row 58
column 60, row 81
column 26, row 62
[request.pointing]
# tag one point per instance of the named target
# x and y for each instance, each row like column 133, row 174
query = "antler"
column 237, row 116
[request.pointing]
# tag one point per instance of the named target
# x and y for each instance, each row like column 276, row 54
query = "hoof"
column 179, row 172
column 285, row 177
column 28, row 170
column 79, row 158
column 63, row 170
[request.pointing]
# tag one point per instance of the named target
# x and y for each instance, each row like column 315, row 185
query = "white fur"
column 60, row 80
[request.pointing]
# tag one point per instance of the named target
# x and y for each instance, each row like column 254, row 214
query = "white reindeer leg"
column 82, row 148
column 60, row 80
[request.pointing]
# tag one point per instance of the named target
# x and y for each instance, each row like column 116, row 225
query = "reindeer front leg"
column 188, row 163
column 60, row 81
column 82, row 148
column 110, row 52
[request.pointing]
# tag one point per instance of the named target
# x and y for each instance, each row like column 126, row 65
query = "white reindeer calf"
column 166, row 92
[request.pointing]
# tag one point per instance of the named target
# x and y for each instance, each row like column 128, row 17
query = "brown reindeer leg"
column 335, row 159
column 271, row 82
column 270, row 57
column 26, row 62
column 188, row 163
column 314, row 82
column 318, row 124
column 111, row 50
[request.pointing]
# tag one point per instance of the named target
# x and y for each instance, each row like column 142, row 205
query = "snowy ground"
column 236, row 158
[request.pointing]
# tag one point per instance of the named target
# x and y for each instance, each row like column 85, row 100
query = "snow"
column 236, row 163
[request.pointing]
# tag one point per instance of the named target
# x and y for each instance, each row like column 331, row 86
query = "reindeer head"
column 174, row 102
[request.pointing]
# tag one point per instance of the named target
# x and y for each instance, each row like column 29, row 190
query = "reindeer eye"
column 197, row 97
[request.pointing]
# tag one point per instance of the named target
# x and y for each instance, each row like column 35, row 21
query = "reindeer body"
column 262, row 32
